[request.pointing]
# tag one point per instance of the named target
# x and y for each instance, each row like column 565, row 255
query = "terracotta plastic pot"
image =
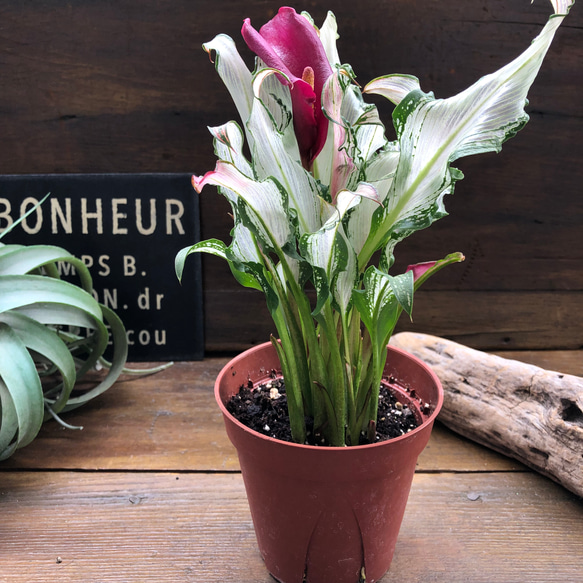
column 326, row 514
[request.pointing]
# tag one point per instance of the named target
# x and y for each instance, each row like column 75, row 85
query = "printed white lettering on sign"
column 64, row 217
column 139, row 221
column 144, row 300
column 97, row 215
column 126, row 218
column 144, row 337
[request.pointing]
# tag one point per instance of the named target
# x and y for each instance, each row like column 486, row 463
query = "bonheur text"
column 87, row 216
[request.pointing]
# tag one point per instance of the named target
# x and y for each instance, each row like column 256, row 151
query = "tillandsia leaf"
column 22, row 290
column 120, row 354
column 290, row 44
column 47, row 299
column 59, row 314
column 8, row 423
column 45, row 342
column 24, row 390
column 275, row 150
column 433, row 133
column 262, row 206
column 48, row 326
column 19, row 260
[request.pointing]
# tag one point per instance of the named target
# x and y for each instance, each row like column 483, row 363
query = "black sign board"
column 127, row 228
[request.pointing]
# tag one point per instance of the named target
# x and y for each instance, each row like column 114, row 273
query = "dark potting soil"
column 264, row 409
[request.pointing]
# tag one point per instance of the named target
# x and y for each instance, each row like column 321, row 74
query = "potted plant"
column 53, row 337
column 320, row 205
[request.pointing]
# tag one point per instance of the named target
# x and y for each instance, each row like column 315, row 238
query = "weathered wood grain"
column 529, row 413
column 151, row 496
column 167, row 421
column 101, row 86
column 170, row 422
column 151, row 527
column 488, row 320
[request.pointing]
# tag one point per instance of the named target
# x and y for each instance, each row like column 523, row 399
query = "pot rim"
column 241, row 356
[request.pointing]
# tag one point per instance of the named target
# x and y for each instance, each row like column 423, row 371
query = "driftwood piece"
column 523, row 411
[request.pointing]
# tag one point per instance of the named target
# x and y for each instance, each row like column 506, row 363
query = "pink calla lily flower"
column 422, row 271
column 419, row 269
column 290, row 44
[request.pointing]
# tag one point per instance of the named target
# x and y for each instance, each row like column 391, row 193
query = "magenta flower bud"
column 290, row 44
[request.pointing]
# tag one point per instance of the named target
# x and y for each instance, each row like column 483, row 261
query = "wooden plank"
column 489, row 528
column 100, row 86
column 162, row 422
column 449, row 452
column 170, row 421
column 125, row 87
column 70, row 526
column 486, row 320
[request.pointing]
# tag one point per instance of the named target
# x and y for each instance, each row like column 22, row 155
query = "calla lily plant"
column 324, row 192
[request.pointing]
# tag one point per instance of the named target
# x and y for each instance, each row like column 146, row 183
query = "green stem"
column 318, row 374
column 296, row 376
column 293, row 391
column 337, row 390
column 350, row 388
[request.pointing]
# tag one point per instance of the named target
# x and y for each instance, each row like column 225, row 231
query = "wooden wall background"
column 124, row 86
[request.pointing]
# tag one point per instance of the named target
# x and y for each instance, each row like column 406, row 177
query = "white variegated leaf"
column 229, row 146
column 263, row 204
column 233, row 72
column 393, row 87
column 295, row 269
column 329, row 36
column 212, row 246
column 369, row 131
column 334, row 165
column 433, row 133
column 275, row 150
column 330, row 251
column 356, row 134
column 347, row 278
column 244, row 247
column 376, row 303
column 403, row 289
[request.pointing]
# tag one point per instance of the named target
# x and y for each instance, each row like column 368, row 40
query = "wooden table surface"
column 150, row 491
